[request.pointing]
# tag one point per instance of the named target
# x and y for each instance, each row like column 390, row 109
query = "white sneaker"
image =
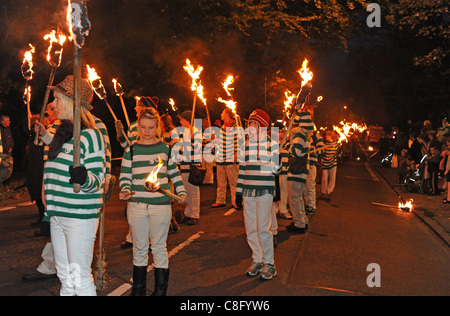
column 268, row 271
column 254, row 269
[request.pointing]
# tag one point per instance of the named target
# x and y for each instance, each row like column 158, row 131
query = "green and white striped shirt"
column 135, row 172
column 59, row 195
column 300, row 142
column 256, row 171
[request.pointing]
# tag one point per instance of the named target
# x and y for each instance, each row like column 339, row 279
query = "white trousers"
column 148, row 220
column 47, row 265
column 209, row 175
column 226, row 173
column 258, row 224
column 328, row 180
column 73, row 246
column 295, row 192
column 310, row 188
column 192, row 210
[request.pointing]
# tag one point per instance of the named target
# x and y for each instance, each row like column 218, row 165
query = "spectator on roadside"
column 432, row 161
column 415, row 147
column 446, row 168
column 6, row 166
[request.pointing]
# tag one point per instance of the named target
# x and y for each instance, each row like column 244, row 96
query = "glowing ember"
column 27, row 65
column 55, row 50
column 406, row 207
column 305, row 73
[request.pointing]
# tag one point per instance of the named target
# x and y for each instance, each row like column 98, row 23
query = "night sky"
column 145, row 45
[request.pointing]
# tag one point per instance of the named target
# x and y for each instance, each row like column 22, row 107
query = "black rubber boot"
column 161, row 282
column 139, row 281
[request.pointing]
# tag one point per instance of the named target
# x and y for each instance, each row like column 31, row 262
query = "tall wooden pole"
column 76, row 111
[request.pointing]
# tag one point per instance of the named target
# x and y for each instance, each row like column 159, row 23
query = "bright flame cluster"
column 406, row 206
column 345, row 130
column 226, row 86
column 153, row 176
column 305, row 73
column 57, row 38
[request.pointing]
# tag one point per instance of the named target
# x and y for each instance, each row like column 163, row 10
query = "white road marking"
column 126, row 286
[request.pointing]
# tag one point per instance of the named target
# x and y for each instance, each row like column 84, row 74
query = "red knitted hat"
column 260, row 117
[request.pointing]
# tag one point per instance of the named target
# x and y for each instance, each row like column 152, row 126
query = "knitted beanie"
column 260, row 117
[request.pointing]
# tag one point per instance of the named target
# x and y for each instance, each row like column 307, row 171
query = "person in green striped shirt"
column 329, row 165
column 74, row 216
column 299, row 149
column 149, row 213
column 256, row 189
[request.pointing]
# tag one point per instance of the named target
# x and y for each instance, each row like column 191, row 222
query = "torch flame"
column 405, row 206
column 172, row 103
column 194, row 73
column 230, row 104
column 200, row 93
column 305, row 73
column 227, row 83
column 118, row 88
column 27, row 65
column 52, row 36
column 288, row 103
column 96, row 82
column 153, row 176
column 319, row 98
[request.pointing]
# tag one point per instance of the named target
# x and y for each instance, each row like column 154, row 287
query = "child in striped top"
column 149, row 213
column 256, row 188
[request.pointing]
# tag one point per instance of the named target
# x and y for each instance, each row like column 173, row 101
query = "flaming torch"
column 79, row 27
column 151, row 184
column 119, row 93
column 27, row 73
column 227, row 86
column 54, row 57
column 195, row 86
column 302, row 97
column 99, row 89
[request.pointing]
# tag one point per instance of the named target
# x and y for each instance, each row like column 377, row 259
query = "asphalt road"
column 357, row 244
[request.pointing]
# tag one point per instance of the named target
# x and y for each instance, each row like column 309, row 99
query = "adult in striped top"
column 74, row 216
column 310, row 189
column 329, row 165
column 149, row 213
column 187, row 152
column 226, row 166
column 299, row 147
column 256, row 188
